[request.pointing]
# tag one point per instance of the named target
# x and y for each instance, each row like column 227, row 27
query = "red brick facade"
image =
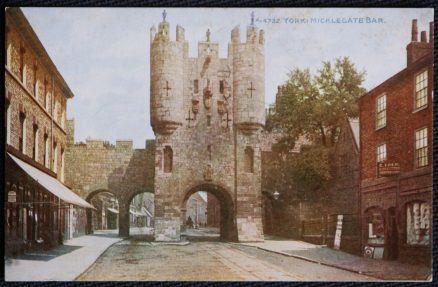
column 396, row 209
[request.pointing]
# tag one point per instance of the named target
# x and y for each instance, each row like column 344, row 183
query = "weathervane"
column 164, row 15
column 252, row 18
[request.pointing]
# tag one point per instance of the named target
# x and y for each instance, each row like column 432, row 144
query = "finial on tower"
column 252, row 18
column 208, row 35
column 164, row 15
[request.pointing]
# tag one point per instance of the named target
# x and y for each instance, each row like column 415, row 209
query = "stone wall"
column 97, row 166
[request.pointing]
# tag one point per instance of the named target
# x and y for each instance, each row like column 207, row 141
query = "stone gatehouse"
column 207, row 114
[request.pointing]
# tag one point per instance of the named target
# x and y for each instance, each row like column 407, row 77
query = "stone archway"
column 89, row 212
column 124, row 212
column 228, row 229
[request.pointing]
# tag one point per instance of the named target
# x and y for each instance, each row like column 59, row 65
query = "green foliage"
column 314, row 106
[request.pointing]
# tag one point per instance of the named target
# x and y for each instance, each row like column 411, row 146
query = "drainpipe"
column 235, row 176
column 51, row 123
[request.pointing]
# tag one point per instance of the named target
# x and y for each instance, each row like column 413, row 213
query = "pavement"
column 321, row 254
column 62, row 263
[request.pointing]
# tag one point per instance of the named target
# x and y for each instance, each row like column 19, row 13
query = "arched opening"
column 105, row 219
column 141, row 214
column 374, row 232
column 168, row 159
column 208, row 214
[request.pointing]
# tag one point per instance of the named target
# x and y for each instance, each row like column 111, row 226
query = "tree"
column 316, row 106
column 313, row 106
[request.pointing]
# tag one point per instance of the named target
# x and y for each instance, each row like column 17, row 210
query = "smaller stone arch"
column 90, row 196
column 228, row 229
column 124, row 211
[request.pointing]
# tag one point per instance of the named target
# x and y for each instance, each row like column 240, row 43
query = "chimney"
column 416, row 50
column 414, row 31
column 423, row 37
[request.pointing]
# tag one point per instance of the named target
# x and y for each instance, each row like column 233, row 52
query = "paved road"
column 205, row 261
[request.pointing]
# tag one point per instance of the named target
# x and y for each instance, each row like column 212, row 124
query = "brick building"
column 38, row 206
column 207, row 114
column 396, row 159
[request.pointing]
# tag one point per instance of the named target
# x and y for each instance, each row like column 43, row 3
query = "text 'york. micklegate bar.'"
column 329, row 173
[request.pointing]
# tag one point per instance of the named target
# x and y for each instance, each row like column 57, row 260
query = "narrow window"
column 35, row 142
column 421, row 153
column 195, row 86
column 209, row 151
column 46, row 150
column 249, row 159
column 421, row 90
column 381, row 111
column 208, row 120
column 168, row 159
column 62, row 165
column 22, row 137
column 8, row 122
column 221, row 86
column 35, row 81
column 22, row 67
column 55, row 157
column 381, row 152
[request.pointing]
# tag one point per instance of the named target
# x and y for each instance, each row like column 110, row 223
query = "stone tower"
column 207, row 114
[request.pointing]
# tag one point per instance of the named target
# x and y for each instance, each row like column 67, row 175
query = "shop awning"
column 51, row 184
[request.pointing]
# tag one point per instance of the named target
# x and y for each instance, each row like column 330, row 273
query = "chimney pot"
column 423, row 36
column 414, row 31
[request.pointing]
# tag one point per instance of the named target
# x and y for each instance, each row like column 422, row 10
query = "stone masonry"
column 97, row 166
column 207, row 114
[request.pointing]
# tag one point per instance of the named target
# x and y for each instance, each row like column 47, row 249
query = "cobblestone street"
column 205, row 261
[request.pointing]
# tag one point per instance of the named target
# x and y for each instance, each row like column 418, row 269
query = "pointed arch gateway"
column 228, row 229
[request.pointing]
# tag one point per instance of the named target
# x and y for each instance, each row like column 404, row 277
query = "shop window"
column 418, row 215
column 168, row 159
column 421, row 153
column 249, row 159
column 421, row 90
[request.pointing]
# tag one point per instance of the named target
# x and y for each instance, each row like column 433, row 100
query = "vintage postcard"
column 218, row 144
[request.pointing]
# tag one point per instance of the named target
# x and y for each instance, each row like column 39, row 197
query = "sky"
column 103, row 53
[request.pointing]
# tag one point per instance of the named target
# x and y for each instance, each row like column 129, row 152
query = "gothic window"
column 22, row 137
column 35, row 142
column 249, row 159
column 418, row 215
column 195, row 86
column 168, row 159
